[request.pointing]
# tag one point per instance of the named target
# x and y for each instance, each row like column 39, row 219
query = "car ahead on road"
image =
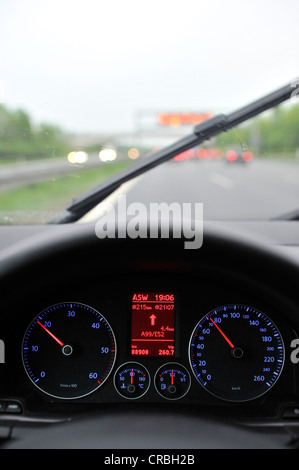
column 237, row 155
column 118, row 335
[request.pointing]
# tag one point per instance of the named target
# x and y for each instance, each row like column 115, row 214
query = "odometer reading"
column 236, row 352
column 153, row 320
column 69, row 350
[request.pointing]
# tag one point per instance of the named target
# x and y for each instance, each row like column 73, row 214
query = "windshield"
column 88, row 89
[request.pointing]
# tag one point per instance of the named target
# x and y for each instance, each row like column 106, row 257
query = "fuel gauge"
column 132, row 380
column 172, row 381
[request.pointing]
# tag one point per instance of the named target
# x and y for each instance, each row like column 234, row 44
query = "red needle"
column 51, row 334
column 132, row 376
column 172, row 377
column 224, row 336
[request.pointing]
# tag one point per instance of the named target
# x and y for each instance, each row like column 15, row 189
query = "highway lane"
column 258, row 190
column 262, row 189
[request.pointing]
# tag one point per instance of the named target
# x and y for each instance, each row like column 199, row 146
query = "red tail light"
column 231, row 156
column 247, row 156
column 201, row 153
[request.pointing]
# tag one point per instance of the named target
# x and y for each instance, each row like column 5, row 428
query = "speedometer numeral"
column 69, row 350
column 236, row 352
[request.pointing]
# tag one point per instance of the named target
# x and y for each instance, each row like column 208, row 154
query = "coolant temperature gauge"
column 172, row 381
column 132, row 380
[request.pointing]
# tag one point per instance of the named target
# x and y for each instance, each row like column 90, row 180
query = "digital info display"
column 153, row 325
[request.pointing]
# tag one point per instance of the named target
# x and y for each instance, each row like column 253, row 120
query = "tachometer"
column 69, row 350
column 236, row 352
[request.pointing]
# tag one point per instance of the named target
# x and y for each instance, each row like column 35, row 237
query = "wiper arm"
column 293, row 215
column 83, row 203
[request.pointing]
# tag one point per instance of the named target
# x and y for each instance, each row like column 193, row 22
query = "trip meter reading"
column 236, row 352
column 69, row 350
column 152, row 330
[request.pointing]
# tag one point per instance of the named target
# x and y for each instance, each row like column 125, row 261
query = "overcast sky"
column 89, row 65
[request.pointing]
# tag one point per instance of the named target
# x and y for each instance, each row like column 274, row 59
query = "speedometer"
column 236, row 352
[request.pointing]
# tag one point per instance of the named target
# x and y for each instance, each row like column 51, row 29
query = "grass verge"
column 52, row 195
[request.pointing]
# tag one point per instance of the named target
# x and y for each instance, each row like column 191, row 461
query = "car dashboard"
column 91, row 326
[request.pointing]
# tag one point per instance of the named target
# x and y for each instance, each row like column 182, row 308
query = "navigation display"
column 153, row 324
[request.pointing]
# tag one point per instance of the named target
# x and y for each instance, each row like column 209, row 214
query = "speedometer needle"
column 224, row 336
column 51, row 334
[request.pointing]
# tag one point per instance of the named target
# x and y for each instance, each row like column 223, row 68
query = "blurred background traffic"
column 87, row 90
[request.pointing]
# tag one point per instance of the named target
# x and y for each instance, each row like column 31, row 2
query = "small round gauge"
column 132, row 380
column 236, row 352
column 172, row 381
column 69, row 350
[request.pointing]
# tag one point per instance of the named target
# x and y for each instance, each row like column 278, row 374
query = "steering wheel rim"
column 161, row 429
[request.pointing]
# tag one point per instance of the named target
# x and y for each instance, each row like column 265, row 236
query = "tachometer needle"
column 224, row 336
column 51, row 334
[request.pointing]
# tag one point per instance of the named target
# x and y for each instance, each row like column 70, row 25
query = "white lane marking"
column 221, row 180
column 100, row 209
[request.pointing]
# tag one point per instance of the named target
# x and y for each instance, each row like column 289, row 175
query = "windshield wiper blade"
column 292, row 215
column 83, row 203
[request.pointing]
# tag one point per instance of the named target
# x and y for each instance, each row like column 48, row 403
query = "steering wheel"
column 145, row 428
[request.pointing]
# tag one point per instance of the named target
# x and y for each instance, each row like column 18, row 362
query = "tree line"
column 20, row 138
column 273, row 132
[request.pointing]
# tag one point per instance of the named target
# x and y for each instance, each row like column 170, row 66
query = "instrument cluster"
column 157, row 349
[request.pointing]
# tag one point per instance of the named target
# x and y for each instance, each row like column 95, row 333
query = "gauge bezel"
column 218, row 396
column 110, row 329
column 137, row 365
column 176, row 364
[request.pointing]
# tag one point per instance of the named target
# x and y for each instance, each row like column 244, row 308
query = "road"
column 258, row 190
